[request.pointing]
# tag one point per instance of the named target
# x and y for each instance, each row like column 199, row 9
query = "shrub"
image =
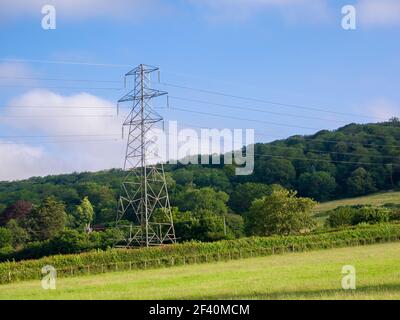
column 341, row 216
column 371, row 215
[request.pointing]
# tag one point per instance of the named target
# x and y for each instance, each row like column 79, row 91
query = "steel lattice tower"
column 144, row 212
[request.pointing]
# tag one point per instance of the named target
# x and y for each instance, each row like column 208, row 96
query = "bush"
column 394, row 211
column 342, row 216
column 354, row 215
column 69, row 241
column 371, row 215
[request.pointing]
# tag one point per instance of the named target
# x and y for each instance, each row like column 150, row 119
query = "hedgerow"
column 118, row 259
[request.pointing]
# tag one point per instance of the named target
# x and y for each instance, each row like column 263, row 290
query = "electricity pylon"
column 144, row 212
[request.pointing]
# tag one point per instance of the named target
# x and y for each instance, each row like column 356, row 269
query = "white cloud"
column 71, row 138
column 18, row 161
column 78, row 9
column 292, row 10
column 74, row 141
column 379, row 12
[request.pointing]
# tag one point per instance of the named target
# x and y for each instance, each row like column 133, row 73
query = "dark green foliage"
column 353, row 160
column 394, row 211
column 353, row 215
column 235, row 225
column 342, row 216
column 280, row 171
column 370, row 215
column 282, row 213
column 244, row 194
column 45, row 221
column 5, row 237
column 317, row 185
column 196, row 200
column 360, row 182
column 202, row 225
column 19, row 235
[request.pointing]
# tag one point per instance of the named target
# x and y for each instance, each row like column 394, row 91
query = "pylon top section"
column 141, row 88
column 142, row 68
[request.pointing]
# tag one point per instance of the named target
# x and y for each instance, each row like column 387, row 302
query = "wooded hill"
column 351, row 161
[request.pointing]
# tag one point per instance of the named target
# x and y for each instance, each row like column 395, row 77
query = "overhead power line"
column 262, row 121
column 254, row 109
column 60, row 141
column 57, row 107
column 110, row 65
column 262, row 155
column 296, row 106
column 58, row 136
column 240, row 118
column 307, row 138
column 310, row 159
column 60, row 79
column 59, row 87
column 56, row 116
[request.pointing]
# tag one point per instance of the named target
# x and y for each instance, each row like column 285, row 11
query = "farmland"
column 377, row 199
column 303, row 275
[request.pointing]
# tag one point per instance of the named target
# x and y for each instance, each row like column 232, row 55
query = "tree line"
column 210, row 202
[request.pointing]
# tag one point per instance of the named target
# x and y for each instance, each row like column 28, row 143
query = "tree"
column 19, row 236
column 46, row 221
column 281, row 213
column 5, row 237
column 203, row 225
column 16, row 211
column 244, row 194
column 84, row 214
column 69, row 241
column 197, row 200
column 235, row 225
column 275, row 170
column 360, row 182
column 341, row 216
column 318, row 185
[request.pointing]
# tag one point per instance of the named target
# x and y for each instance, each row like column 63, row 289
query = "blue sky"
column 291, row 51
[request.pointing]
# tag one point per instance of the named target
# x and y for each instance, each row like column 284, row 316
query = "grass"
column 377, row 199
column 307, row 275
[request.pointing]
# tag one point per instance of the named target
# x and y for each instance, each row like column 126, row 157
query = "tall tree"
column 244, row 194
column 318, row 185
column 360, row 182
column 85, row 214
column 281, row 213
column 47, row 220
column 16, row 211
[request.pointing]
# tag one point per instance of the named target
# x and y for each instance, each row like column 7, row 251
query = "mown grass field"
column 377, row 199
column 307, row 275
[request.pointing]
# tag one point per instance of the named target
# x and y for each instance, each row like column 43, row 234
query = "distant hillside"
column 352, row 161
column 376, row 199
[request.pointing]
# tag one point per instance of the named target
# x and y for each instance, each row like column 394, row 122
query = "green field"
column 377, row 199
column 307, row 275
